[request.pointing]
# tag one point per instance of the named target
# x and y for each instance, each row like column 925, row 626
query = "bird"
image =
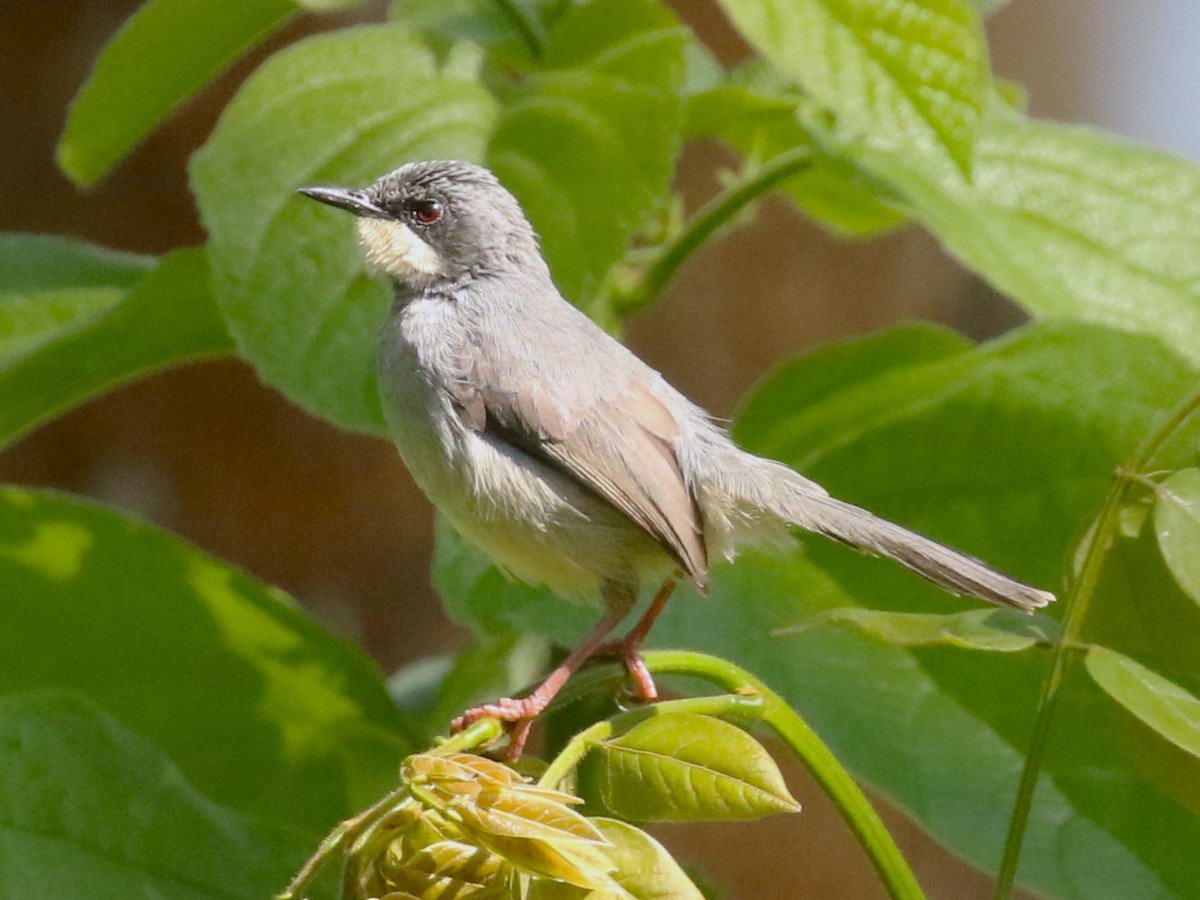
column 549, row 445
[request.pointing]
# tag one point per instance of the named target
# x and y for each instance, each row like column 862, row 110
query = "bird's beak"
column 350, row 200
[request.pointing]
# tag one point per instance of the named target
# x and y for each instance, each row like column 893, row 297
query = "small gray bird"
column 553, row 448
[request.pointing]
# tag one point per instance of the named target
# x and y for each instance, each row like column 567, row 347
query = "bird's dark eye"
column 426, row 212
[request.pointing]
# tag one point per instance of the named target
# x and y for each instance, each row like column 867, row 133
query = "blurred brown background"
column 208, row 452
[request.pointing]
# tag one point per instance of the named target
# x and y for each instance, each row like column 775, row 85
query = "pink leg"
column 629, row 647
column 523, row 711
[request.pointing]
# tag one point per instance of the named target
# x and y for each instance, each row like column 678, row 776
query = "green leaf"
column 681, row 767
column 33, row 263
column 1070, row 222
column 257, row 706
column 1001, row 630
column 908, row 77
column 644, row 867
column 185, row 44
column 588, row 145
column 114, row 335
column 760, row 123
column 50, row 285
column 775, row 415
column 341, row 108
column 1161, row 704
column 645, row 870
column 90, row 809
column 507, row 30
column 1177, row 522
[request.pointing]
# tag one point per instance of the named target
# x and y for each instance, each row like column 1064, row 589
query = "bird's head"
column 441, row 222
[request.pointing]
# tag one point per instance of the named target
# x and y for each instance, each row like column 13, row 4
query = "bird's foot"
column 520, row 713
column 629, row 652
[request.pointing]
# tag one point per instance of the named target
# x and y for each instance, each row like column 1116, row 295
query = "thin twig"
column 708, row 220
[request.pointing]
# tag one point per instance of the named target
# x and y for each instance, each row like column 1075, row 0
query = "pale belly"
column 533, row 521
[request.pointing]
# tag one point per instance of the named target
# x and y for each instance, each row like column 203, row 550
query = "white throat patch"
column 392, row 248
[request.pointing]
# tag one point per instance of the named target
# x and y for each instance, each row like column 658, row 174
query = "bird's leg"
column 524, row 710
column 629, row 647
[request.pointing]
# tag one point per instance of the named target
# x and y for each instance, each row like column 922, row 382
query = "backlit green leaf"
column 1161, row 704
column 1070, row 222
column 644, row 867
column 906, row 76
column 645, row 871
column 761, row 123
column 1002, row 630
column 342, row 108
column 1177, row 522
column 684, row 767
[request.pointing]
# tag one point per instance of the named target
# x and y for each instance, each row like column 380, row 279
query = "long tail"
column 798, row 502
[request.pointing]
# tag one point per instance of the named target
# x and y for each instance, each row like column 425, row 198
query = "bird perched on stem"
column 554, row 449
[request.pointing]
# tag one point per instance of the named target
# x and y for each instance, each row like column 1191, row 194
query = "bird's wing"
column 618, row 445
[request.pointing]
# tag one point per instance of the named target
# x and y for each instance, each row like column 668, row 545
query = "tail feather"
column 799, row 502
column 951, row 569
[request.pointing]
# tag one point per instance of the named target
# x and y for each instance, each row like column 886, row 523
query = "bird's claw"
column 629, row 653
column 518, row 713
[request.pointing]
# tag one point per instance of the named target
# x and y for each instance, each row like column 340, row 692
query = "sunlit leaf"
column 1069, row 222
column 1159, row 703
column 1002, row 630
column 259, row 708
column 907, row 76
column 645, row 871
column 685, row 767
column 760, row 122
column 1177, row 522
column 583, row 865
column 519, row 815
column 50, row 285
column 644, row 867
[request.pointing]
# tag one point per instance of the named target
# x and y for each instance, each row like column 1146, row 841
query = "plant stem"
column 529, row 32
column 707, row 220
column 1077, row 600
column 771, row 709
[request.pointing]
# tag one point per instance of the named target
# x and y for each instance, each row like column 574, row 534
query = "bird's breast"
column 536, row 522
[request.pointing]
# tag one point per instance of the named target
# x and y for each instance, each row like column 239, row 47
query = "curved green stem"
column 707, row 220
column 769, row 708
column 1077, row 600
